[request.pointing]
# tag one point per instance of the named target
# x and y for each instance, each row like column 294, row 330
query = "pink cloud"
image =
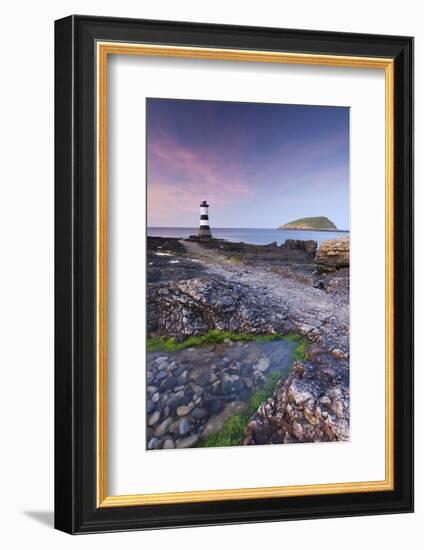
column 181, row 177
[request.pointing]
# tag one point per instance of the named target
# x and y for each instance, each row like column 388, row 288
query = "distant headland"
column 317, row 223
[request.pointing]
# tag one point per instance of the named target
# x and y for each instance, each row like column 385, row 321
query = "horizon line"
column 232, row 227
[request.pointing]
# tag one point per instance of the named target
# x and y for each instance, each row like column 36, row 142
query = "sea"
column 249, row 235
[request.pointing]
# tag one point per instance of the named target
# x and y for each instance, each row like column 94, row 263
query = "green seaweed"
column 215, row 336
column 233, row 430
column 301, row 351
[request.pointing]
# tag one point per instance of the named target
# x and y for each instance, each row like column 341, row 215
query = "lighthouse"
column 204, row 229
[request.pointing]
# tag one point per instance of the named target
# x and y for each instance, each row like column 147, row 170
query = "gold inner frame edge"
column 103, row 49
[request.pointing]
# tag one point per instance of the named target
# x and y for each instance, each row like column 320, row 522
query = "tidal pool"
column 192, row 393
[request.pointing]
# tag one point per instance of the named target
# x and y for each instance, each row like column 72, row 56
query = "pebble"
column 152, row 442
column 163, row 366
column 187, row 398
column 226, row 385
column 246, row 370
column 198, row 413
column 187, row 442
column 162, row 429
column 181, row 380
column 184, row 426
column 154, row 418
column 235, row 367
column 177, row 371
column 168, row 444
column 155, row 397
column 183, row 410
column 201, row 378
column 216, row 386
column 158, row 444
column 150, row 406
column 174, row 427
column 175, row 401
column 169, row 383
column 161, row 375
column 161, row 360
column 263, row 364
column 238, row 384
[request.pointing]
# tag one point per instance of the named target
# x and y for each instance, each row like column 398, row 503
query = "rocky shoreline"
column 199, row 287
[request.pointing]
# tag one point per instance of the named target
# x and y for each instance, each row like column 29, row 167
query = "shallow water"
column 249, row 235
column 207, row 381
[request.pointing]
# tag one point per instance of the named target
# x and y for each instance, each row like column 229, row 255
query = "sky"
column 258, row 165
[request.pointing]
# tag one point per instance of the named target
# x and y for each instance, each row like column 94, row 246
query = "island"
column 317, row 223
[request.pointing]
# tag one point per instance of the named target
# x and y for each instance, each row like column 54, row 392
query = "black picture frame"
column 76, row 508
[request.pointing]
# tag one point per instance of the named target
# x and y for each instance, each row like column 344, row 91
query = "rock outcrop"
column 292, row 250
column 194, row 306
column 310, row 405
column 334, row 253
column 310, row 247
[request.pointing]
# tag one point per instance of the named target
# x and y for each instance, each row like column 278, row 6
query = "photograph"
column 247, row 256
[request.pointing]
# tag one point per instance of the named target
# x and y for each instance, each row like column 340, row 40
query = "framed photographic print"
column 233, row 271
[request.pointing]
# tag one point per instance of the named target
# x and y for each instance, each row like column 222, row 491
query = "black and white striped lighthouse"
column 204, row 229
